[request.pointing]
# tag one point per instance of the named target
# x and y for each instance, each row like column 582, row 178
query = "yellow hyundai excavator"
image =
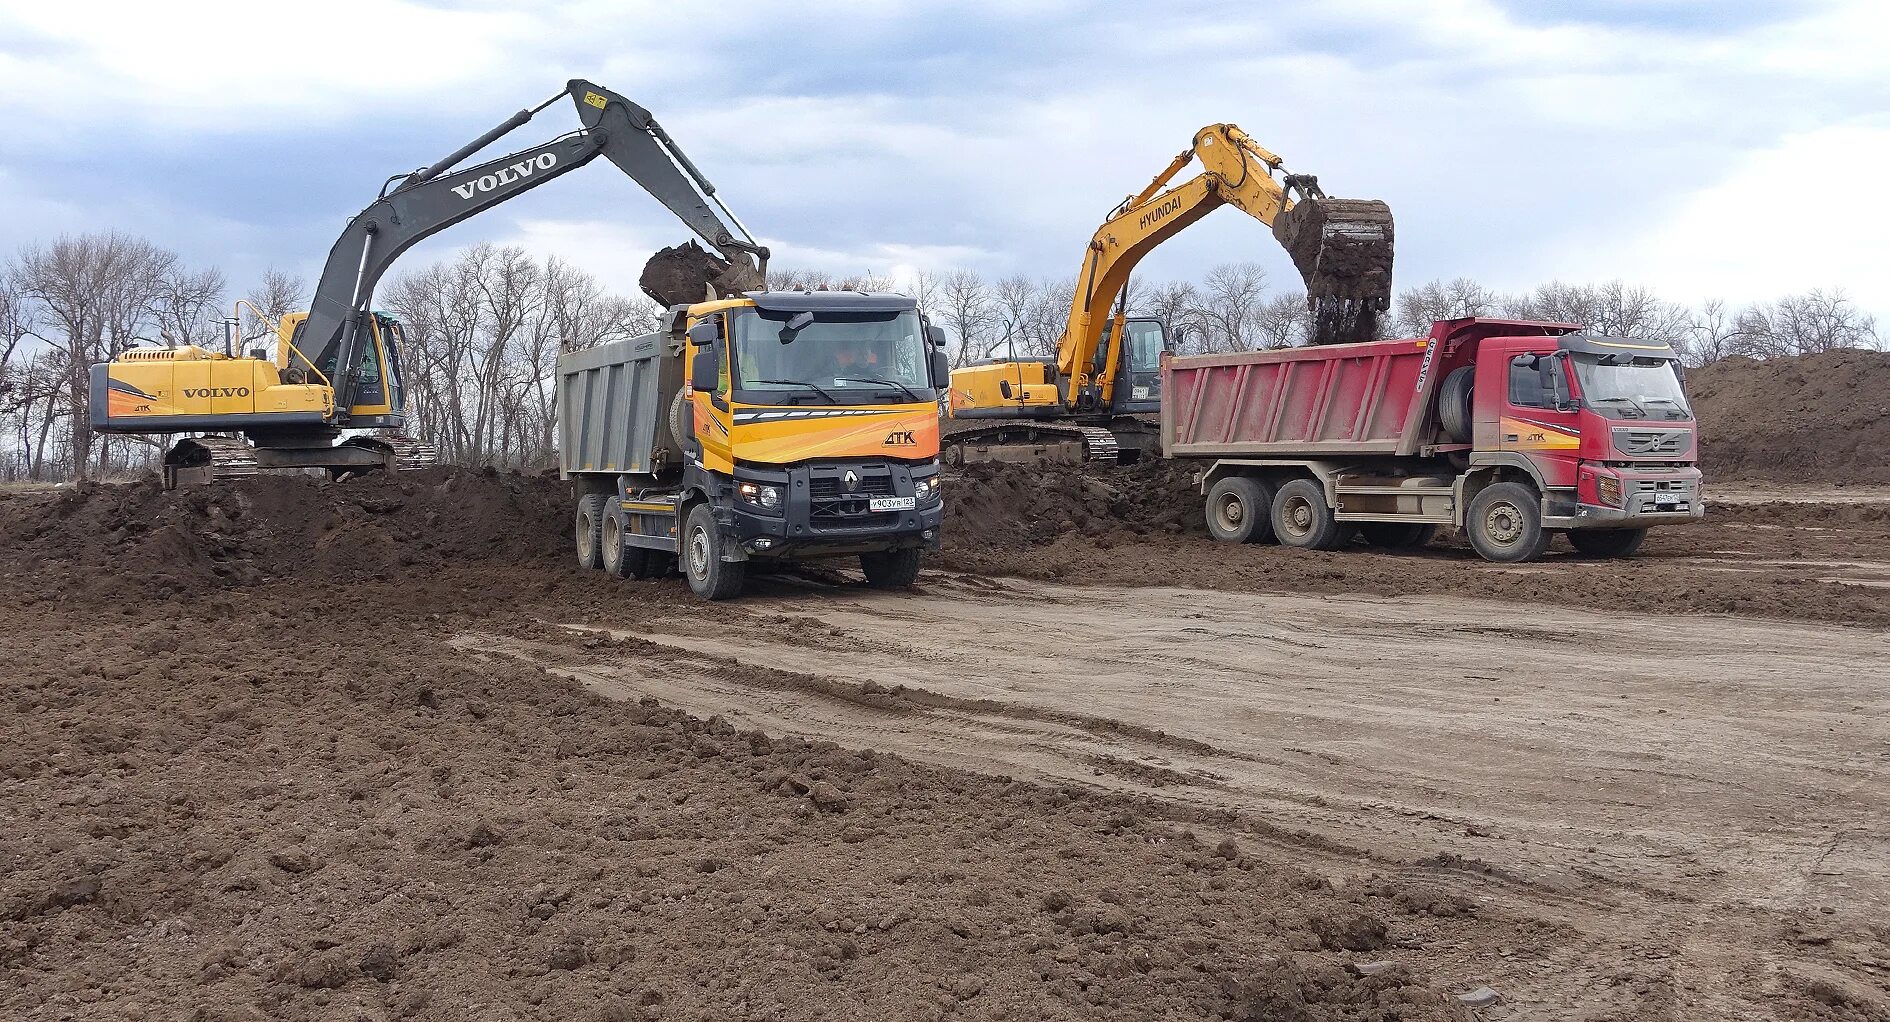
column 1084, row 404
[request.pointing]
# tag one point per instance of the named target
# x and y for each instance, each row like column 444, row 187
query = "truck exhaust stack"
column 1343, row 250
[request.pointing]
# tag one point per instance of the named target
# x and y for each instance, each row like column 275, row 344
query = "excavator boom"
column 428, row 201
column 1341, row 247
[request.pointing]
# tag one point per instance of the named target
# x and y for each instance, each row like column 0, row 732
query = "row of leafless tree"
column 1234, row 308
column 484, row 331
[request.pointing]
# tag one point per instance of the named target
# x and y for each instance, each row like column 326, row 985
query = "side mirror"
column 941, row 368
column 703, row 370
column 704, row 334
column 935, row 336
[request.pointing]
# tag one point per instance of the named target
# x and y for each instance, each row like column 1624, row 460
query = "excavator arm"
column 1342, row 247
column 430, row 200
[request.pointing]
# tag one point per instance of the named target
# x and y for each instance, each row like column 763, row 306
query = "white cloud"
column 1807, row 212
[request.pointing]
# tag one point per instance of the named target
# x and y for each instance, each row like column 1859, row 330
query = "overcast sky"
column 1733, row 149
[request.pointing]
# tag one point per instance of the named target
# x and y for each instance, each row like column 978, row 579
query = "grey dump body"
column 613, row 408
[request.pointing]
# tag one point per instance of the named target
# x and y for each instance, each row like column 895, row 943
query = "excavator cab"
column 1138, row 387
column 380, row 392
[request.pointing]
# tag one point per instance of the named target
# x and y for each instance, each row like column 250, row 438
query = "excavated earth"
column 377, row 749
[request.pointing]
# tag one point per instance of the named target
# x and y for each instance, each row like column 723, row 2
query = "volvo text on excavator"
column 338, row 366
column 1087, row 403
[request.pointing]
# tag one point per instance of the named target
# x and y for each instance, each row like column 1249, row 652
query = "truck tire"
column 710, row 577
column 620, row 558
column 891, row 569
column 679, row 424
column 1505, row 523
column 1606, row 542
column 589, row 530
column 1302, row 518
column 1453, row 404
column 1397, row 535
column 1240, row 510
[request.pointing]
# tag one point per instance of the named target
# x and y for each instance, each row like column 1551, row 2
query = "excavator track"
column 410, row 454
column 205, row 459
column 1033, row 443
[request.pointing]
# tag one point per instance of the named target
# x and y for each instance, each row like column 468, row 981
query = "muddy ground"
column 378, row 750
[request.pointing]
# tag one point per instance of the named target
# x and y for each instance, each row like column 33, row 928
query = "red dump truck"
column 1508, row 430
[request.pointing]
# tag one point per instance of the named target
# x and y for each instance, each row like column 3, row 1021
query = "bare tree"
column 964, row 303
column 1230, row 308
column 95, row 294
column 1283, row 321
column 1815, row 321
column 276, row 295
column 1419, row 307
column 1176, row 303
column 1615, row 309
column 188, row 307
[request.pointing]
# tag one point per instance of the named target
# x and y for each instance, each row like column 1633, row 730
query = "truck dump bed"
column 1358, row 399
column 613, row 407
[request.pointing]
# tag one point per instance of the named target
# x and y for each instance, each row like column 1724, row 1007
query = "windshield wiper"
column 1640, row 409
column 805, row 383
column 911, row 395
column 1675, row 405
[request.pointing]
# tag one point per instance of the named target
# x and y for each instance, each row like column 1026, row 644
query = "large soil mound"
column 1822, row 417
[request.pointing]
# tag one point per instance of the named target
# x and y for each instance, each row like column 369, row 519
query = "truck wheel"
column 1302, row 518
column 1240, row 510
column 1505, row 524
column 1606, row 542
column 1397, row 535
column 891, row 569
column 710, row 577
column 590, row 530
column 1453, row 403
column 620, row 558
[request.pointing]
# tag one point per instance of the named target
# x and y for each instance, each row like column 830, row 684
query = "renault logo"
column 852, row 479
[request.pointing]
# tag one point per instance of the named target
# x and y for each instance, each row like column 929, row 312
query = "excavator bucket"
column 1343, row 250
column 688, row 273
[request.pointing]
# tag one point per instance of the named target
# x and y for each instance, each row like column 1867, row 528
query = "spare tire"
column 680, row 420
column 1453, row 404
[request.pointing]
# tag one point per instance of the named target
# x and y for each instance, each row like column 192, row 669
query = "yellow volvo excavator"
column 1084, row 404
column 338, row 367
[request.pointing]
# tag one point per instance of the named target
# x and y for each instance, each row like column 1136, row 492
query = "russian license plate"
column 1139, row 393
column 1669, row 504
column 892, row 503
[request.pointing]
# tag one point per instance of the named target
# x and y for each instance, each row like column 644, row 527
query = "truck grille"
column 833, row 504
column 1653, row 443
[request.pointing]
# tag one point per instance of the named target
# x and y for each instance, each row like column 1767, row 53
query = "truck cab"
column 772, row 427
column 1602, row 423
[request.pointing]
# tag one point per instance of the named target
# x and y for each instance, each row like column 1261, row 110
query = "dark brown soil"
column 1812, row 418
column 245, row 778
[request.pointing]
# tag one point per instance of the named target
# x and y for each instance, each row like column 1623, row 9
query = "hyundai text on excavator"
column 1087, row 402
column 338, row 367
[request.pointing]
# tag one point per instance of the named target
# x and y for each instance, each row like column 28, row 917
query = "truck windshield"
column 1631, row 388
column 839, row 357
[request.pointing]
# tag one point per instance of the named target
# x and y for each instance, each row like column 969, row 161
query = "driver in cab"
column 854, row 359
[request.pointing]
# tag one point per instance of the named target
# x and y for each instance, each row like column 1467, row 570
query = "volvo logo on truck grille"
column 1647, row 443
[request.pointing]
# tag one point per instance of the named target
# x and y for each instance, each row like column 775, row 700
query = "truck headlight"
column 1608, row 489
column 925, row 491
column 761, row 495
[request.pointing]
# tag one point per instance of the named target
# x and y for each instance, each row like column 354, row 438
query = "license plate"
column 892, row 503
column 1669, row 504
column 1139, row 393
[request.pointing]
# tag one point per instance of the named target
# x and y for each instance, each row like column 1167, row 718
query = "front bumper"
column 824, row 513
column 1649, row 497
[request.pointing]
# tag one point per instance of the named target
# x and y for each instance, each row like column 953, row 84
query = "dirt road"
column 1661, row 782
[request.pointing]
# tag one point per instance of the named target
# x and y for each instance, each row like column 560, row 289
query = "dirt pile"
column 1823, row 417
column 111, row 540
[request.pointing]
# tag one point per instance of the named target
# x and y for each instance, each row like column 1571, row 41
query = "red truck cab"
column 1510, row 431
column 1603, row 424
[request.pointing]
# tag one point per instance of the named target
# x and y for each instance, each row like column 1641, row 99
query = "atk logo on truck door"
column 507, row 175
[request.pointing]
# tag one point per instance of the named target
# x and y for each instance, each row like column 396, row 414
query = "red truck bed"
column 1336, row 399
column 1368, row 399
